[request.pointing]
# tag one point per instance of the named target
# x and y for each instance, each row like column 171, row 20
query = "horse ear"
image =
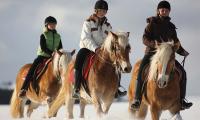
column 113, row 34
column 73, row 52
column 156, row 44
column 128, row 34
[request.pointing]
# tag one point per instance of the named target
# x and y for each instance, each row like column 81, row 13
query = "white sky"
column 22, row 21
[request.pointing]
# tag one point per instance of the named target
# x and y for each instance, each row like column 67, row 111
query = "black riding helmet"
column 164, row 4
column 50, row 19
column 101, row 4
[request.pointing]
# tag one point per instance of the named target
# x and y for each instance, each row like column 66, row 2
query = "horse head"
column 162, row 63
column 118, row 47
column 60, row 60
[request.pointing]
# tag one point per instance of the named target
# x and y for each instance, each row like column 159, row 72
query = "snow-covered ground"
column 118, row 111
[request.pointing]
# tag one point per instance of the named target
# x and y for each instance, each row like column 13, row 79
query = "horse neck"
column 104, row 57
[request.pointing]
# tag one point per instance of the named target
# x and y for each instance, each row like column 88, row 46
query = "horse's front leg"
column 69, row 101
column 155, row 112
column 82, row 108
column 31, row 107
column 97, row 105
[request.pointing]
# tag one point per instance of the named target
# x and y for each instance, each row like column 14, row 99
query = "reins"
column 183, row 62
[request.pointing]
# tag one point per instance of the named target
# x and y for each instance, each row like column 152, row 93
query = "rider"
column 160, row 28
column 50, row 40
column 94, row 31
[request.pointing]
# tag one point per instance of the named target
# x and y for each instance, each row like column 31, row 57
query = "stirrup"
column 135, row 105
column 76, row 94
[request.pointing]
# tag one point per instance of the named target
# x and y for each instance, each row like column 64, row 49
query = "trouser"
column 80, row 59
column 139, row 81
column 183, row 81
column 30, row 73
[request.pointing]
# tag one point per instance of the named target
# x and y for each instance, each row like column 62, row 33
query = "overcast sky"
column 22, row 22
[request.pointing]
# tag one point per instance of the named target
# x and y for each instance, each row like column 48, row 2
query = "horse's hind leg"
column 82, row 108
column 17, row 105
column 31, row 107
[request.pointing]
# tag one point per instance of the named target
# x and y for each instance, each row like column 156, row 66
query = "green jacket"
column 53, row 40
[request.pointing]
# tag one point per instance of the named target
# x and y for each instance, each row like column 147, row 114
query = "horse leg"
column 106, row 104
column 175, row 112
column 97, row 105
column 141, row 114
column 69, row 106
column 31, row 107
column 176, row 116
column 17, row 105
column 82, row 108
column 155, row 112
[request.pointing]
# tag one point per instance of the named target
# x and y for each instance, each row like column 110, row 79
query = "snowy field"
column 118, row 111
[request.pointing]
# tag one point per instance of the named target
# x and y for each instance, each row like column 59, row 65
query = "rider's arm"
column 60, row 45
column 181, row 51
column 86, row 37
column 148, row 36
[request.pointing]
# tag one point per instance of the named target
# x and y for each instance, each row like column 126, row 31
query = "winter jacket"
column 160, row 29
column 94, row 32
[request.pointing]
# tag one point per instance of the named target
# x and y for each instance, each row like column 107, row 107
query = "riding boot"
column 184, row 103
column 138, row 95
column 78, row 77
column 121, row 90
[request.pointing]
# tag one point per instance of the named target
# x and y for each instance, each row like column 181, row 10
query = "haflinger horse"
column 103, row 77
column 49, row 84
column 161, row 90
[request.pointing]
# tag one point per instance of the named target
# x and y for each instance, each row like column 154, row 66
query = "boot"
column 185, row 104
column 78, row 77
column 120, row 92
column 138, row 93
column 136, row 104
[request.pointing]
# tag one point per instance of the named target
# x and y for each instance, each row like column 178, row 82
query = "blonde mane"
column 162, row 56
column 122, row 40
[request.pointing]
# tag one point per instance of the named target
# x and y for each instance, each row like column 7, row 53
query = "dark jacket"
column 160, row 29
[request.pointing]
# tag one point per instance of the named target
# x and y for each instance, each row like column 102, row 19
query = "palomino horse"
column 161, row 90
column 103, row 77
column 48, row 83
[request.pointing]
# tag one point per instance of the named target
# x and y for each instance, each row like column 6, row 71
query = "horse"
column 103, row 77
column 161, row 90
column 49, row 84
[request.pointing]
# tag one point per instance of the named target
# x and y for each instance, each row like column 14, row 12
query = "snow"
column 118, row 111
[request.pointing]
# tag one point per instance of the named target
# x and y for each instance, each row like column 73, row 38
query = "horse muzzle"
column 126, row 67
column 162, row 81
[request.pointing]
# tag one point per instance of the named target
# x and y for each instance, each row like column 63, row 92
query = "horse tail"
column 17, row 106
column 57, row 103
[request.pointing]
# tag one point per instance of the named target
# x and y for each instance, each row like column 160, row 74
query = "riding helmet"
column 101, row 4
column 50, row 19
column 164, row 4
